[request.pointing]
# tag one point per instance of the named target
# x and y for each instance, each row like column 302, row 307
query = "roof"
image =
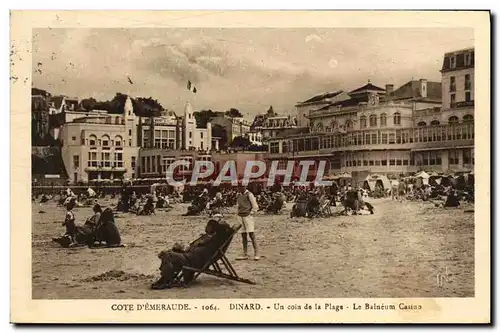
column 367, row 87
column 292, row 131
column 459, row 60
column 57, row 100
column 411, row 89
column 344, row 103
column 321, row 97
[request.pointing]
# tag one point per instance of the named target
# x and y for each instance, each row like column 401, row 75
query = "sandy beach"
column 397, row 252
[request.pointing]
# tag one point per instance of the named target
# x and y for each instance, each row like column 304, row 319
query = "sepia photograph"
column 254, row 162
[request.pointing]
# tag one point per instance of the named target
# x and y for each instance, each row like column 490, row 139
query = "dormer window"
column 468, row 59
column 453, row 62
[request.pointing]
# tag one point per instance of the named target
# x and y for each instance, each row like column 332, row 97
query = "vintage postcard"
column 250, row 167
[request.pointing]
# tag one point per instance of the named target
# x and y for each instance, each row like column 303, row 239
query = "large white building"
column 420, row 126
column 101, row 146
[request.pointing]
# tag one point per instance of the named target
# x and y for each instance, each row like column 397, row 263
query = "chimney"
column 423, row 88
column 389, row 90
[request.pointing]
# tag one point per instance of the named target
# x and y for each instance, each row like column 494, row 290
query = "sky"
column 247, row 69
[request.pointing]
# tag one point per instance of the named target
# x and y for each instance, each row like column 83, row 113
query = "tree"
column 235, row 113
column 203, row 117
column 220, row 132
column 89, row 104
column 147, row 107
column 240, row 142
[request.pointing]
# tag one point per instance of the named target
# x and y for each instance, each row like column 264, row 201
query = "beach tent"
column 91, row 192
column 423, row 177
column 375, row 180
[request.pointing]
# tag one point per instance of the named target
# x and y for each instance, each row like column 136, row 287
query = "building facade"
column 101, row 146
column 386, row 131
column 234, row 126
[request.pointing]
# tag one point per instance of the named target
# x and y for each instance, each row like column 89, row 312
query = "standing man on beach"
column 247, row 206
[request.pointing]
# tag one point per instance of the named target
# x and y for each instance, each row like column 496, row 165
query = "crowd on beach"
column 100, row 228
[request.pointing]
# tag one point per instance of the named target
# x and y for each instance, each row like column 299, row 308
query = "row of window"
column 104, row 161
column 420, row 159
column 467, row 83
column 417, row 135
column 349, row 124
column 373, row 121
column 453, row 98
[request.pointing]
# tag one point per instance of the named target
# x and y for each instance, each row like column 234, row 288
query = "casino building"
column 421, row 125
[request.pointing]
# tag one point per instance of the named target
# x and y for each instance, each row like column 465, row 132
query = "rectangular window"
column 374, row 139
column 467, row 156
column 468, row 59
column 405, row 162
column 73, row 138
column 467, row 96
column 392, row 139
column 365, row 162
column 274, row 148
column 426, row 158
column 143, row 164
column 384, row 162
column 453, row 86
column 453, row 62
column 201, row 135
column 76, row 161
column 467, row 82
column 392, row 162
column 132, row 162
column 367, row 139
column 372, row 163
column 399, row 162
column 130, row 132
column 384, row 138
column 377, row 162
column 432, row 158
column 452, row 100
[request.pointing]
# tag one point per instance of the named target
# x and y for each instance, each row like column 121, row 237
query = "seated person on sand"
column 313, row 205
column 98, row 228
column 351, row 201
column 195, row 255
column 452, row 199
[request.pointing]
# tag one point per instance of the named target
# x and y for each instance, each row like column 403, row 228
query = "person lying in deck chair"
column 195, row 255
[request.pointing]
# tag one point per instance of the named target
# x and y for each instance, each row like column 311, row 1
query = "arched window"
column 118, row 141
column 421, row 124
column 319, row 127
column 397, row 118
column 468, row 118
column 383, row 119
column 334, row 125
column 373, row 120
column 105, row 140
column 434, row 122
column 453, row 120
column 348, row 124
column 92, row 140
column 362, row 122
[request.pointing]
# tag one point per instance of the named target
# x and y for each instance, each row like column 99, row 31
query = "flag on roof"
column 191, row 87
